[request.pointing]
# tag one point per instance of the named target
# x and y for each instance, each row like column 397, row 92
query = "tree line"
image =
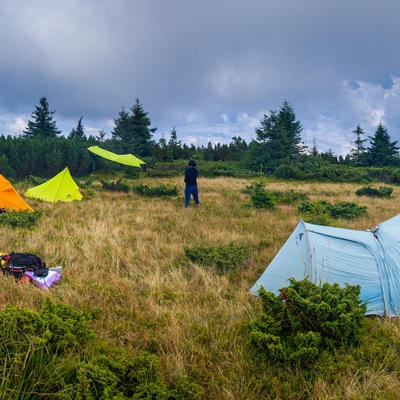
column 278, row 149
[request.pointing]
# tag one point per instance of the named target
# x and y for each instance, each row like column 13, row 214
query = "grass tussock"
column 124, row 263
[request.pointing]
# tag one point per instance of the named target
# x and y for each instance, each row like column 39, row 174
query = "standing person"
column 191, row 189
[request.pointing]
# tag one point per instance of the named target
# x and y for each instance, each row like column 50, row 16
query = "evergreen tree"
column 175, row 145
column 383, row 152
column 42, row 124
column 269, row 128
column 132, row 131
column 77, row 132
column 101, row 136
column 121, row 129
column 141, row 134
column 314, row 149
column 173, row 139
column 357, row 154
column 329, row 156
column 164, row 152
column 238, row 148
column 292, row 127
column 281, row 132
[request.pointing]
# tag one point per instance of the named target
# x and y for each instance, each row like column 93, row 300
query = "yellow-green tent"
column 59, row 188
column 9, row 197
column 126, row 159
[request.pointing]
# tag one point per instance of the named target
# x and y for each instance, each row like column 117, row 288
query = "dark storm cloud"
column 210, row 68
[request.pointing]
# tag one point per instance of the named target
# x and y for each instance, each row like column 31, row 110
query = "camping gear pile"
column 27, row 266
column 370, row 259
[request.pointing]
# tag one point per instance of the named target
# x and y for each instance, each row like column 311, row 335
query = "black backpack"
column 18, row 263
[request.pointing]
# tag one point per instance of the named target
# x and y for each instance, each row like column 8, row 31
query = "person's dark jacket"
column 191, row 176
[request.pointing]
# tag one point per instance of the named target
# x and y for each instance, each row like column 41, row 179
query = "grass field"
column 123, row 259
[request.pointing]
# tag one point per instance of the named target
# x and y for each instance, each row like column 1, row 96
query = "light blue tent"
column 370, row 259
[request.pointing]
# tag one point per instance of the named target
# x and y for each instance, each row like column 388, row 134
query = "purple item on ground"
column 46, row 281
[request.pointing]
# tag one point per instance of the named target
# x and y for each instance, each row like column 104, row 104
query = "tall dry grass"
column 123, row 261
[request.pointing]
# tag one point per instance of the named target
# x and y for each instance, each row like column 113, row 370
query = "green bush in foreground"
column 306, row 319
column 53, row 354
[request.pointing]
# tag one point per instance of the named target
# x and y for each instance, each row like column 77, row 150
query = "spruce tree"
column 383, row 152
column 314, row 149
column 281, row 132
column 121, row 129
column 101, row 136
column 77, row 132
column 292, row 127
column 269, row 130
column 42, row 124
column 238, row 148
column 132, row 133
column 141, row 133
column 357, row 154
column 175, row 145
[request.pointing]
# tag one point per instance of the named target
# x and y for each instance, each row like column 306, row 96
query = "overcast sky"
column 209, row 68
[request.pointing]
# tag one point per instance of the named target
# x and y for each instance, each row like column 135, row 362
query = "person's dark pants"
column 191, row 191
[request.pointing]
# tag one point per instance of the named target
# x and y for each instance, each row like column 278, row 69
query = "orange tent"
column 9, row 197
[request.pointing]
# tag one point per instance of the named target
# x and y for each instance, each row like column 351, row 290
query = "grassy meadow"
column 123, row 260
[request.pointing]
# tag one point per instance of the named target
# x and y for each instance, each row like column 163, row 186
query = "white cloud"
column 368, row 101
column 224, row 118
column 328, row 135
column 12, row 124
column 373, row 104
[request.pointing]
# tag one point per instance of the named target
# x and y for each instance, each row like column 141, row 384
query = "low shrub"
column 133, row 172
column 347, row 210
column 315, row 212
column 117, row 186
column 53, row 354
column 285, row 171
column 20, row 218
column 89, row 193
column 158, row 191
column 289, row 197
column 36, row 180
column 306, row 319
column 382, row 191
column 84, row 183
column 122, row 376
column 260, row 198
column 166, row 169
column 320, row 212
